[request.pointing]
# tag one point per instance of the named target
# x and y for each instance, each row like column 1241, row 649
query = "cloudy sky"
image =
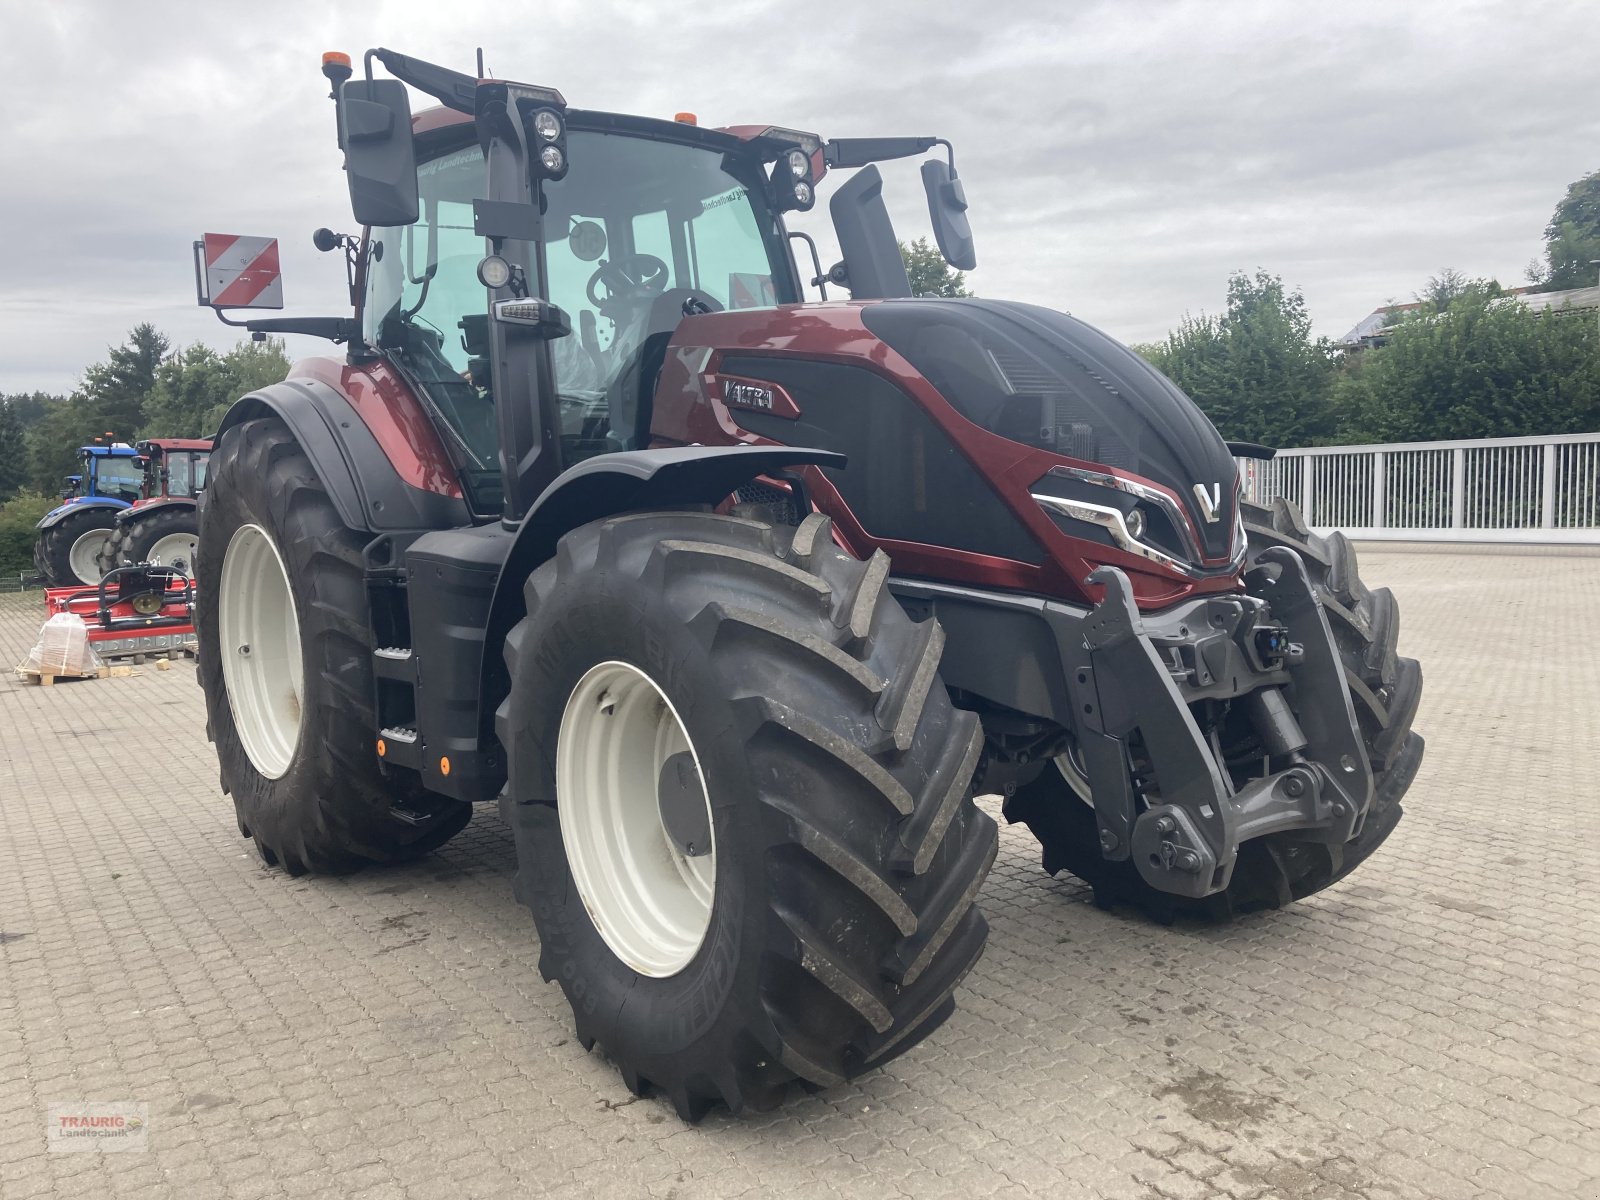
column 1121, row 157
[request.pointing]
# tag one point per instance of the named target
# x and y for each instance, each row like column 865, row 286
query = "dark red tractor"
column 732, row 600
column 163, row 526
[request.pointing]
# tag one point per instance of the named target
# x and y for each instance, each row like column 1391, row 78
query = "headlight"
column 1132, row 516
column 802, row 194
column 547, row 125
column 494, row 272
column 552, row 159
column 799, row 164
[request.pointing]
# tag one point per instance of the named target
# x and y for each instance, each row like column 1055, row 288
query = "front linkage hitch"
column 1187, row 839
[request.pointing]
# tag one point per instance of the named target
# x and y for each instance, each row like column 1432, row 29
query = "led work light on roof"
column 547, row 125
column 792, row 186
column 547, row 131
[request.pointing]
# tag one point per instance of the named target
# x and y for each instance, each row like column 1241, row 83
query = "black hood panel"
column 1047, row 379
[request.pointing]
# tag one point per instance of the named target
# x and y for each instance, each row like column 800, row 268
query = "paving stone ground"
column 1430, row 1028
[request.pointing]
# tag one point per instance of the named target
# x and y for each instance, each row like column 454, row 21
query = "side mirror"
column 947, row 208
column 380, row 158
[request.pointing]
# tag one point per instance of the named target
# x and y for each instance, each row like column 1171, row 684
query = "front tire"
column 67, row 553
column 844, row 848
column 286, row 664
column 170, row 536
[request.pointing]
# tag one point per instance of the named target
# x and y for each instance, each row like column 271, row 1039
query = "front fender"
column 145, row 508
column 604, row 486
column 60, row 513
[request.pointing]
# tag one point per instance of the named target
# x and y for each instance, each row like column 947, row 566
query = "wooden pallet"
column 46, row 678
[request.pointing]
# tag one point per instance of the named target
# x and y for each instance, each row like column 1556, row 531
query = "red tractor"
column 163, row 526
column 730, row 599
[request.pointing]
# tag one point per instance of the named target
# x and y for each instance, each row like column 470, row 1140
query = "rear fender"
column 362, row 482
column 56, row 515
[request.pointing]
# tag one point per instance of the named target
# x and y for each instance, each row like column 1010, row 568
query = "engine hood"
column 1049, row 380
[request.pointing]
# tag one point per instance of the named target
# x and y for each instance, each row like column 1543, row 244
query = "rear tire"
column 67, row 553
column 1273, row 871
column 847, row 850
column 173, row 532
column 307, row 786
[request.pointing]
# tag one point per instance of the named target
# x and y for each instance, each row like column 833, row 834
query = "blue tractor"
column 73, row 534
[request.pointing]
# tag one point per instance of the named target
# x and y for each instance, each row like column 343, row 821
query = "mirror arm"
column 335, row 329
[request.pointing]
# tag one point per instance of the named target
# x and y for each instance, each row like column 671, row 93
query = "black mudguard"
column 154, row 506
column 608, row 484
column 363, row 484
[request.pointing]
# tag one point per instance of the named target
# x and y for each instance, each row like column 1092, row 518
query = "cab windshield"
column 638, row 234
column 120, row 477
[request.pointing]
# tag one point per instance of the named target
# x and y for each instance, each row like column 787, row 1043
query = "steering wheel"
column 635, row 275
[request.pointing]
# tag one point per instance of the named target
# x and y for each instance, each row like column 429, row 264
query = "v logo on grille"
column 1210, row 502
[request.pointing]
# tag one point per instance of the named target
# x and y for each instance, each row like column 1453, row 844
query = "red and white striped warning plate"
column 242, row 272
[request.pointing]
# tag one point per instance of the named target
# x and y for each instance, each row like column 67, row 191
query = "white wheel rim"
column 259, row 642
column 1075, row 777
column 84, row 555
column 175, row 550
column 649, row 899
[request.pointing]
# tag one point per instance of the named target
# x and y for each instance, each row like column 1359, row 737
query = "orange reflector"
column 444, row 765
column 686, row 119
column 335, row 56
column 383, row 747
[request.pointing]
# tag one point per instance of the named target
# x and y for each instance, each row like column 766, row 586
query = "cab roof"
column 168, row 445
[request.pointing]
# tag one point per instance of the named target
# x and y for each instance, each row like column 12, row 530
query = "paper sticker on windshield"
column 746, row 289
column 587, row 240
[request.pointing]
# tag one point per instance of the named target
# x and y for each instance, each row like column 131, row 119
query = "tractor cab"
column 653, row 221
column 112, row 472
column 174, row 468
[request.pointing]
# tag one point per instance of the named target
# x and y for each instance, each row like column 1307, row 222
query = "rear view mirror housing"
column 947, row 209
column 873, row 268
column 380, row 158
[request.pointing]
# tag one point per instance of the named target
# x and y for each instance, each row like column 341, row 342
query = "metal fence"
column 1530, row 489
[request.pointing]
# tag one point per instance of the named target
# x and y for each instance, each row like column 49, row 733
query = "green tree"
column 195, row 387
column 930, row 274
column 29, row 406
column 1488, row 366
column 1572, row 238
column 13, row 457
column 1256, row 370
column 53, row 441
column 1444, row 287
column 18, row 516
column 114, row 391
